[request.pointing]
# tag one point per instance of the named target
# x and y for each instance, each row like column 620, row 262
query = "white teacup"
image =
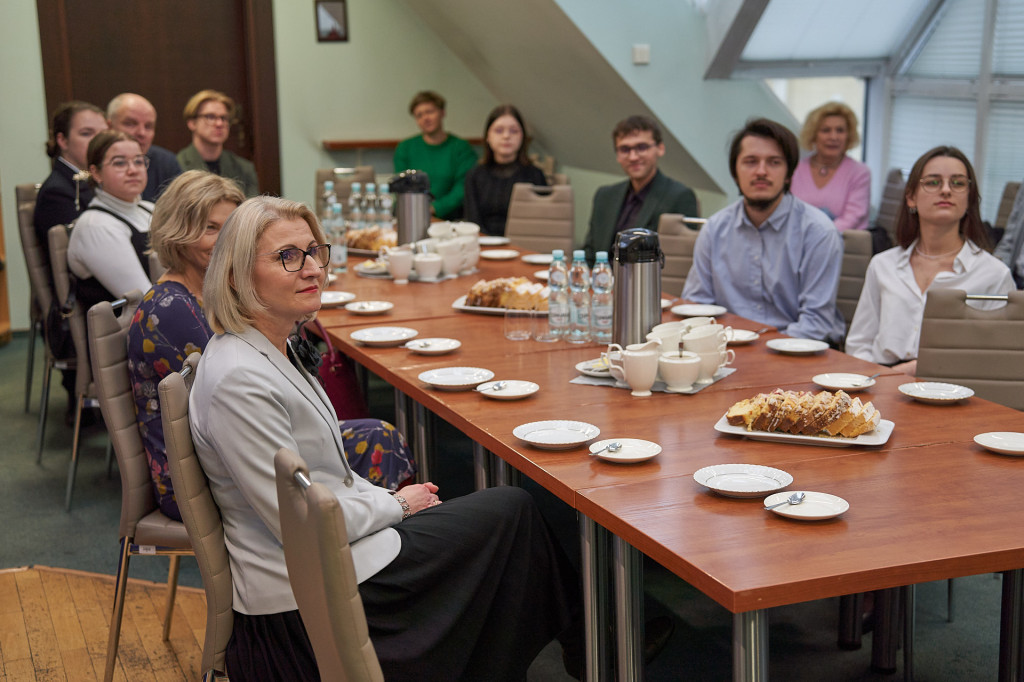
column 668, row 334
column 711, row 362
column 442, row 230
column 679, row 370
column 428, row 265
column 399, row 264
column 695, row 322
column 464, row 228
column 706, row 338
column 448, row 246
column 451, row 261
column 636, row 365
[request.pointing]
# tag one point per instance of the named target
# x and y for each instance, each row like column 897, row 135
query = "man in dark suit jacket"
column 209, row 115
column 135, row 115
column 639, row 201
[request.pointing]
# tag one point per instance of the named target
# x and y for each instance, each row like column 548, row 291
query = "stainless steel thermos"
column 412, row 205
column 637, row 261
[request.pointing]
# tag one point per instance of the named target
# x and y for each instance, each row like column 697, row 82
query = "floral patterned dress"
column 168, row 326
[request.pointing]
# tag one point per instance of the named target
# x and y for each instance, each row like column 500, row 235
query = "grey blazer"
column 248, row 401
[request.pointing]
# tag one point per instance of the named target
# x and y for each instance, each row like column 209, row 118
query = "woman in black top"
column 489, row 185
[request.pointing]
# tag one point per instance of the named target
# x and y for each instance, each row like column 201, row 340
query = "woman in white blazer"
column 470, row 589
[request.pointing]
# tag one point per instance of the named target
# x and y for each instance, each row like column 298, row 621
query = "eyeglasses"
column 626, row 150
column 121, row 163
column 958, row 184
column 293, row 260
column 214, row 118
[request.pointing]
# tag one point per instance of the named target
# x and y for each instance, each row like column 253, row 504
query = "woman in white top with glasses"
column 942, row 244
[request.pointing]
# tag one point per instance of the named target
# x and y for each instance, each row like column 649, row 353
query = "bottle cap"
column 601, row 257
column 328, row 185
column 558, row 254
column 356, row 186
column 579, row 254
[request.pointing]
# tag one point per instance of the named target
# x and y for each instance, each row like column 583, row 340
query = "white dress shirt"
column 887, row 325
column 101, row 245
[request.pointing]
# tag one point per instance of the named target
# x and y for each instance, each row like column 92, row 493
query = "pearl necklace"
column 922, row 254
column 824, row 168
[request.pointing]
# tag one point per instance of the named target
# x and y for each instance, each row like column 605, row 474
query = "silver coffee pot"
column 412, row 205
column 637, row 261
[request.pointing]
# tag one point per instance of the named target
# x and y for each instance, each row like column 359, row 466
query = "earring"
column 912, row 210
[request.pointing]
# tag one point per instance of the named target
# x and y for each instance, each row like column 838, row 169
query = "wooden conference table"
column 928, row 505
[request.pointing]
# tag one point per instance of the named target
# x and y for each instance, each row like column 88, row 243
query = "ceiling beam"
column 727, row 56
column 809, row 68
column 916, row 38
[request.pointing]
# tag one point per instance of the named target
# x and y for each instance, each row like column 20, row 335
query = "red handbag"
column 338, row 378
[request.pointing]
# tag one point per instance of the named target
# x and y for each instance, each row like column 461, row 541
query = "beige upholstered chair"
column 322, row 575
column 677, row 238
column 200, row 515
column 156, row 268
column 85, row 388
column 892, row 198
column 26, row 203
column 143, row 529
column 1006, row 204
column 541, row 218
column 856, row 256
column 981, row 349
column 343, row 179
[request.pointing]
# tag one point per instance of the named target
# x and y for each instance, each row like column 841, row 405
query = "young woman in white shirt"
column 942, row 244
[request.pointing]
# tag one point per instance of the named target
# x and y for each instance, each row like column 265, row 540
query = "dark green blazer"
column 232, row 166
column 665, row 196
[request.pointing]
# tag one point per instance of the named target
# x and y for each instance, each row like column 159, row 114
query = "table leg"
column 885, row 641
column 909, row 614
column 421, row 422
column 595, row 598
column 750, row 646
column 481, row 466
column 629, row 610
column 1011, row 627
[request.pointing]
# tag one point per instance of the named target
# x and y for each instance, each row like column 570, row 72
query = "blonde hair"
column 814, row 119
column 197, row 100
column 180, row 214
column 230, row 301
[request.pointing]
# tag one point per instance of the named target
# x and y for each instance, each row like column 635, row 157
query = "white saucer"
column 331, row 278
column 492, row 240
column 542, row 275
column 330, row 299
column 1003, row 442
column 699, row 310
column 597, row 367
column 815, row 507
column 512, row 390
column 936, row 393
column 797, row 346
column 456, row 378
column 384, row 337
column 499, row 254
column 537, row 258
column 433, row 346
column 369, row 307
column 633, row 450
column 742, row 480
column 835, row 381
column 741, row 337
column 556, row 434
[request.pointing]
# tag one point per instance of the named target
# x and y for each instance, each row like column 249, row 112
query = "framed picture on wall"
column 331, row 21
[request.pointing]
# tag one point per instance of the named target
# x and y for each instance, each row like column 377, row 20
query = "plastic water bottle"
column 329, row 198
column 369, row 205
column 355, row 206
column 602, row 282
column 558, row 299
column 386, row 214
column 339, row 244
column 579, row 299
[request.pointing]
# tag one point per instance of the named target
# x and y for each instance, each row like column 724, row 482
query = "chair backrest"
column 1006, row 204
column 677, row 240
column 35, row 260
column 108, row 351
column 892, row 198
column 856, row 256
column 322, row 574
column 981, row 349
column 343, row 179
column 58, row 236
column 541, row 218
column 199, row 512
column 156, row 268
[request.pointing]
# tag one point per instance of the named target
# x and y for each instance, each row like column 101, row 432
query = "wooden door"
column 167, row 50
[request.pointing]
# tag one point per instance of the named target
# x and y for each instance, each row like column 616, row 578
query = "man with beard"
column 770, row 257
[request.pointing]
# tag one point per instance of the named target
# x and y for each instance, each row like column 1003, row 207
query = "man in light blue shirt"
column 1009, row 248
column 770, row 257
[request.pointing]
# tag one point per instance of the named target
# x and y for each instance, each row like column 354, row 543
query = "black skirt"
column 476, row 592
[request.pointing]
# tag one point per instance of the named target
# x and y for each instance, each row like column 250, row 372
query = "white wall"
column 22, row 134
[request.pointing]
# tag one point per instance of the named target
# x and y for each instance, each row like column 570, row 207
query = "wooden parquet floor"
column 54, row 625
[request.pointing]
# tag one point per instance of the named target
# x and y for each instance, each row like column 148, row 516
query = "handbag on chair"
column 338, row 378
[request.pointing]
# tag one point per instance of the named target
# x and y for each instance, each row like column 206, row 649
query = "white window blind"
column 1004, row 151
column 920, row 123
column 954, row 49
column 1008, row 44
